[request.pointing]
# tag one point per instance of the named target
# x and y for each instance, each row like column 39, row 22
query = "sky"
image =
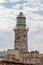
column 33, row 11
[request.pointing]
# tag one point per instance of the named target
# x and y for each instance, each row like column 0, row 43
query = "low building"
column 2, row 55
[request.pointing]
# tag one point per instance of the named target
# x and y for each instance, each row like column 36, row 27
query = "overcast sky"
column 33, row 10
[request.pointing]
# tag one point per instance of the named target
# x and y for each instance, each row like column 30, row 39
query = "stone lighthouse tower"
column 21, row 33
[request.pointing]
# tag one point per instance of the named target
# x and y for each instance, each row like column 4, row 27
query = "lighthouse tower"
column 21, row 33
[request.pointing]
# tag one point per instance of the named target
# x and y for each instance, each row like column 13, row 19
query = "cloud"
column 35, row 40
column 14, row 0
column 2, row 1
column 30, row 8
column 7, row 18
column 7, row 24
column 41, row 7
column 6, row 40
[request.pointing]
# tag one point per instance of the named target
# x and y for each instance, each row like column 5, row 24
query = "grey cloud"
column 6, row 40
column 35, row 40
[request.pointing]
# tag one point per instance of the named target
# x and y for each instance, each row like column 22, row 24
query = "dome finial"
column 21, row 15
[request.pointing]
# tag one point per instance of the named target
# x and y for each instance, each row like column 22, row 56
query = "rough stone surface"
column 21, row 40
